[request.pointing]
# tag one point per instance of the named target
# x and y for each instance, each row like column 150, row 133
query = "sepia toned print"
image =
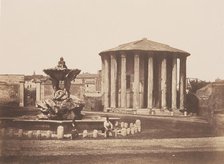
column 111, row 81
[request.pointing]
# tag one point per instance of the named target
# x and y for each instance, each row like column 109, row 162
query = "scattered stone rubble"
column 121, row 129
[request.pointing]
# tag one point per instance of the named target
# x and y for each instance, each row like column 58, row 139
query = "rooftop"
column 147, row 46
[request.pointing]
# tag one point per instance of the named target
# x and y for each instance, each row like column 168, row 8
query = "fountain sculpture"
column 62, row 105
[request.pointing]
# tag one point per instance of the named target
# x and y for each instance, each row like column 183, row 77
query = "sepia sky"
column 36, row 33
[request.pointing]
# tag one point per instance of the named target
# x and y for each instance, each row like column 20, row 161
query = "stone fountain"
column 63, row 105
column 59, row 115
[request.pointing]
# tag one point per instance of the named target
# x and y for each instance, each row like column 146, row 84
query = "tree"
column 194, row 85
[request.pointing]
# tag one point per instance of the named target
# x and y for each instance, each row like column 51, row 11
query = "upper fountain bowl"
column 60, row 74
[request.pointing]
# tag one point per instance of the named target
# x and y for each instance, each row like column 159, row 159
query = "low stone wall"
column 11, row 78
column 47, row 91
column 9, row 94
column 77, row 90
column 13, row 111
column 211, row 98
column 93, row 103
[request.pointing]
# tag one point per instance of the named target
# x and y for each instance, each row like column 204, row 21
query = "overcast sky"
column 36, row 33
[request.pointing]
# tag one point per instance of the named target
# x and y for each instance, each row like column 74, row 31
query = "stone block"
column 115, row 132
column 124, row 132
column 95, row 133
column 30, row 134
column 132, row 130
column 38, row 134
column 122, row 124
column 110, row 134
column 116, row 124
column 153, row 112
column 10, row 133
column 135, row 128
column 67, row 136
column 138, row 123
column 139, row 129
column 60, row 132
column 85, row 134
column 49, row 134
column 3, row 132
column 126, row 125
column 128, row 131
column 54, row 136
column 20, row 133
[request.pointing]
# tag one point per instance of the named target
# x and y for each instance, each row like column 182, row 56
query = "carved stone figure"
column 61, row 63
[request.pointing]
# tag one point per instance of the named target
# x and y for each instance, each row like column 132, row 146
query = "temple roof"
column 147, row 46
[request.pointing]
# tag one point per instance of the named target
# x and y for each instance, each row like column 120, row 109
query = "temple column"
column 113, row 92
column 38, row 91
column 42, row 91
column 150, row 83
column 163, row 84
column 102, row 75
column 136, row 81
column 106, row 82
column 123, row 80
column 182, row 82
column 174, row 84
column 21, row 93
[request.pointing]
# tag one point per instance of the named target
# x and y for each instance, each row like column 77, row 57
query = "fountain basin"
column 60, row 74
column 32, row 124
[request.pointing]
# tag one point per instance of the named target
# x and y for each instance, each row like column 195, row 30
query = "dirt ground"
column 162, row 140
column 163, row 158
column 168, row 127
